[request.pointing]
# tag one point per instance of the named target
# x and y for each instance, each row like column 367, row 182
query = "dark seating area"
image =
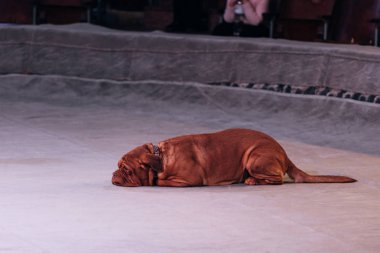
column 336, row 21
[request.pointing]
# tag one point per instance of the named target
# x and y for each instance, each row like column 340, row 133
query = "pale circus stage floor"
column 60, row 146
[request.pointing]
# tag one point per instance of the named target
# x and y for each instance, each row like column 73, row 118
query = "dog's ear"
column 152, row 161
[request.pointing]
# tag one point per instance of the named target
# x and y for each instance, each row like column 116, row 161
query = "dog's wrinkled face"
column 127, row 174
column 135, row 168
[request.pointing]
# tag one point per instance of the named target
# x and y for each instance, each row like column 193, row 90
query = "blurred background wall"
column 336, row 21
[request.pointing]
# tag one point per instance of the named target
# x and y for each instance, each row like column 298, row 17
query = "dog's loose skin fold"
column 222, row 158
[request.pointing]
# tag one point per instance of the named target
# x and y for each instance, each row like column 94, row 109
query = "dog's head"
column 137, row 167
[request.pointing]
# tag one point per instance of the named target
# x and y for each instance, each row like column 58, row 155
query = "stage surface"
column 62, row 135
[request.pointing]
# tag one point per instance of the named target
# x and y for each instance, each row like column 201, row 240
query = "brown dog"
column 222, row 158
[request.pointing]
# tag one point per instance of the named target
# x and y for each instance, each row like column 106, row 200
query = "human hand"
column 232, row 3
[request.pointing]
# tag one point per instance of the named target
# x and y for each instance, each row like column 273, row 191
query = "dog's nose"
column 117, row 183
column 116, row 180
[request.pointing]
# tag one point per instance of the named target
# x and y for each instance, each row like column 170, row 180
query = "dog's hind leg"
column 264, row 170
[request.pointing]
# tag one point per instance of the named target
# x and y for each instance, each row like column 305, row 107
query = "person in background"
column 243, row 18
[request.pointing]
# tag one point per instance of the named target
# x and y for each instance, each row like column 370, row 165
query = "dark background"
column 349, row 21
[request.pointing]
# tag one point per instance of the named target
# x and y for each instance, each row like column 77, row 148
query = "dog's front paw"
column 250, row 181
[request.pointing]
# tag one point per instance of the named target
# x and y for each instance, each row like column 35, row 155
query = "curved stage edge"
column 84, row 50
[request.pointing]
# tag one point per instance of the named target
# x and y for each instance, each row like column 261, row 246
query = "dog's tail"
column 301, row 177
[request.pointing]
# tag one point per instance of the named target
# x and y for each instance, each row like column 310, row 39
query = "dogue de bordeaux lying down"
column 222, row 158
